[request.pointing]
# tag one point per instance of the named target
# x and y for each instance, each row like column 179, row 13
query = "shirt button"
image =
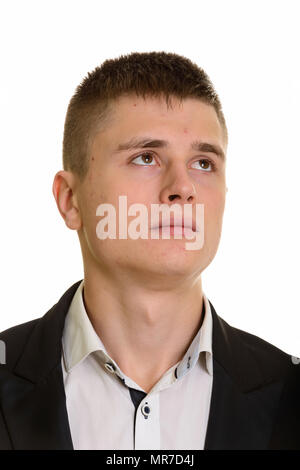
column 110, row 367
column 145, row 410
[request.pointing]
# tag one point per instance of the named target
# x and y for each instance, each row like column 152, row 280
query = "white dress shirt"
column 104, row 410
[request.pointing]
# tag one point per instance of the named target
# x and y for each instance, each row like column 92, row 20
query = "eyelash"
column 213, row 165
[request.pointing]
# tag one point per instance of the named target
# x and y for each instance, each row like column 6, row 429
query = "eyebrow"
column 144, row 142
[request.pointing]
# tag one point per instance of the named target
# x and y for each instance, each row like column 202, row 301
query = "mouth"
column 190, row 224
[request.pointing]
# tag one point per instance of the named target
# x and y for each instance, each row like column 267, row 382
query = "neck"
column 144, row 330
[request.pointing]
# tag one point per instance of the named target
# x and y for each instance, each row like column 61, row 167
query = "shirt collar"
column 80, row 339
column 202, row 342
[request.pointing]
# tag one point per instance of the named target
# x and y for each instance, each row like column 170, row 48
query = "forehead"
column 131, row 115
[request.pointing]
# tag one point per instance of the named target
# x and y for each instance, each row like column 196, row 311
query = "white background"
column 250, row 50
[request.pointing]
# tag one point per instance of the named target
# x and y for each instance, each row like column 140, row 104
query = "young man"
column 134, row 356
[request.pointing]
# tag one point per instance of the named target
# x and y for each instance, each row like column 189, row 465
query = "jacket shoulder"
column 34, row 334
column 14, row 340
column 266, row 357
column 252, row 360
column 260, row 345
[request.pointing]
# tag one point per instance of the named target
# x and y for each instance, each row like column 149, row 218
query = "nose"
column 178, row 186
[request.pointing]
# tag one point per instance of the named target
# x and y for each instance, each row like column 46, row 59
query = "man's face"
column 151, row 175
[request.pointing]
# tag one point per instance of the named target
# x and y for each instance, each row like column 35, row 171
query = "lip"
column 190, row 224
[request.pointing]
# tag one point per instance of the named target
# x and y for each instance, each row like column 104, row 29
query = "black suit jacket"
column 254, row 403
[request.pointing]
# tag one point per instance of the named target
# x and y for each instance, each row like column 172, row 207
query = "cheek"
column 214, row 204
column 90, row 198
column 214, row 199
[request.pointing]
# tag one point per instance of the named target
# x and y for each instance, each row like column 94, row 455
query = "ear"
column 62, row 189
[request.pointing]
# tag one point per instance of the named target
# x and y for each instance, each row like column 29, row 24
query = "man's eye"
column 147, row 159
column 204, row 163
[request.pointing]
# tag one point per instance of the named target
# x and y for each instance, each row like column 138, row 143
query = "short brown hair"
column 147, row 74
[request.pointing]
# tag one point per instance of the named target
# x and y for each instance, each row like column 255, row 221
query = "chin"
column 171, row 263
